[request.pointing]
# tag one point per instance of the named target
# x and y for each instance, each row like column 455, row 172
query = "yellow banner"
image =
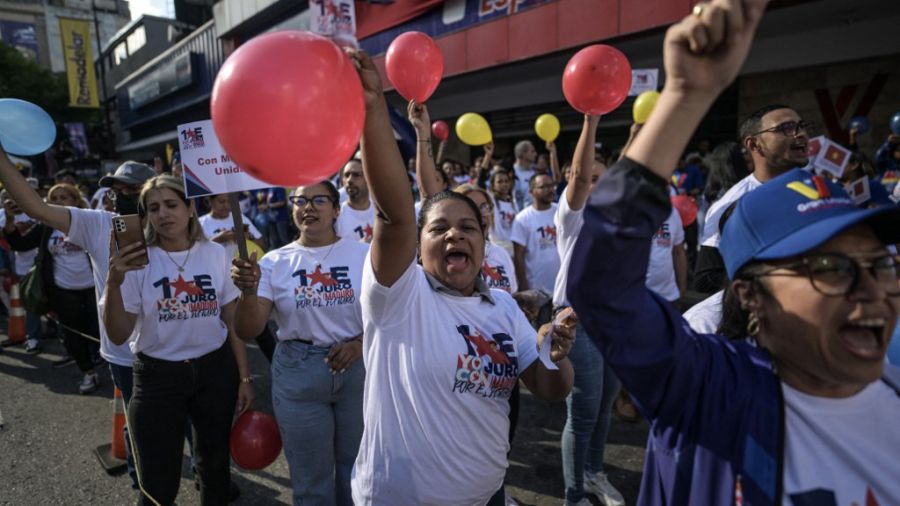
column 76, row 41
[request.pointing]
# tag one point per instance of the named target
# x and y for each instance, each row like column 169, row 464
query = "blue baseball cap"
column 794, row 213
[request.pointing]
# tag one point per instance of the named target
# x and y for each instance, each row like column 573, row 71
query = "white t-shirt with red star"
column 179, row 312
column 504, row 215
column 353, row 224
column 536, row 231
column 315, row 290
column 498, row 270
column 440, row 369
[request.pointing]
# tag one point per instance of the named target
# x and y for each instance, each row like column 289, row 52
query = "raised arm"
column 702, row 56
column 28, row 199
column 118, row 322
column 426, row 174
column 394, row 238
column 554, row 162
column 579, row 186
column 252, row 312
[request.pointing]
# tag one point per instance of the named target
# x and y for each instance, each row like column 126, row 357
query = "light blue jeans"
column 588, row 408
column 320, row 417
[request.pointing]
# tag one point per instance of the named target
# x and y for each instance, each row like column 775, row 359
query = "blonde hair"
column 71, row 189
column 167, row 181
column 466, row 189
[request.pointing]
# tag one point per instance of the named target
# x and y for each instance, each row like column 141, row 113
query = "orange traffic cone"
column 112, row 456
column 16, row 325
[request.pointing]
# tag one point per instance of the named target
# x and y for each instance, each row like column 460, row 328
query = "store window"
column 136, row 40
column 120, row 53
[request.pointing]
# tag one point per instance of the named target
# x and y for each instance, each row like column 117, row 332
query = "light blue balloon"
column 25, row 129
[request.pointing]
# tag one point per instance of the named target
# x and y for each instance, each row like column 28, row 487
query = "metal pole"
column 102, row 60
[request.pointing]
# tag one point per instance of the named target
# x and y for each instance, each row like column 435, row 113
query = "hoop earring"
column 753, row 325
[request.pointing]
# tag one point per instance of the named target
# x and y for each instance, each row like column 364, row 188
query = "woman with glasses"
column 311, row 287
column 802, row 411
column 188, row 364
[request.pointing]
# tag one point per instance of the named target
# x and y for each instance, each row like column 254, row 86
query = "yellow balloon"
column 252, row 247
column 473, row 129
column 644, row 105
column 547, row 127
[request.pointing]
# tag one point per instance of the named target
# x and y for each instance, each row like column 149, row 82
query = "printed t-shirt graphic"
column 661, row 269
column 504, row 215
column 71, row 266
column 498, row 270
column 179, row 311
column 536, row 231
column 353, row 224
column 315, row 290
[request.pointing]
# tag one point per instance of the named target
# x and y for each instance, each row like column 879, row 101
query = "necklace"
column 181, row 266
column 318, row 261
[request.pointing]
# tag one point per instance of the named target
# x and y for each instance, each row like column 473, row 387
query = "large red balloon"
column 288, row 108
column 414, row 65
column 440, row 130
column 597, row 79
column 255, row 441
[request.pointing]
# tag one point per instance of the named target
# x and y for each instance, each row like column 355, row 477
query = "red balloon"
column 414, row 65
column 255, row 441
column 686, row 207
column 597, row 79
column 440, row 130
column 288, row 108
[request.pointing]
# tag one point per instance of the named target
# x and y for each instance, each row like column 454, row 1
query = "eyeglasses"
column 788, row 128
column 835, row 274
column 317, row 200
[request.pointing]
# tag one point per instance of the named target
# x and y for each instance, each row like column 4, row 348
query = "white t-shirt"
column 353, row 224
column 710, row 236
column 180, row 312
column 504, row 215
column 661, row 269
column 90, row 229
column 568, row 226
column 536, row 231
column 705, row 316
column 521, row 193
column 498, row 270
column 315, row 291
column 439, row 373
column 212, row 226
column 842, row 451
column 71, row 266
column 98, row 197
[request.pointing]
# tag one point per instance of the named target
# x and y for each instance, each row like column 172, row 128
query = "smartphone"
column 127, row 230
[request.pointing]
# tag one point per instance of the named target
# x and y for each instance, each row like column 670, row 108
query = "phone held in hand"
column 127, row 230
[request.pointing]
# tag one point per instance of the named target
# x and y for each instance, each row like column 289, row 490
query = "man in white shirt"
column 776, row 138
column 218, row 225
column 524, row 167
column 534, row 238
column 357, row 215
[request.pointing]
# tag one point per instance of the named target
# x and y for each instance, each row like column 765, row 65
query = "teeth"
column 869, row 322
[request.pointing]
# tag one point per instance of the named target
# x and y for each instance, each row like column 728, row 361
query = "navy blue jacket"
column 715, row 406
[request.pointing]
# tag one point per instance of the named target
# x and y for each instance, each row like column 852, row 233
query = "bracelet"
column 248, row 379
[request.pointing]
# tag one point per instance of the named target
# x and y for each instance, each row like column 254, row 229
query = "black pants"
column 77, row 309
column 166, row 395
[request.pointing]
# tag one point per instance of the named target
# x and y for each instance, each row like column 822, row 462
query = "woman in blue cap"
column 804, row 410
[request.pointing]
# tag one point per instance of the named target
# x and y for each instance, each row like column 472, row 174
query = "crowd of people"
column 754, row 337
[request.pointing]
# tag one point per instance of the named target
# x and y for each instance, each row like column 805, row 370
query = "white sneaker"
column 32, row 346
column 89, row 383
column 600, row 486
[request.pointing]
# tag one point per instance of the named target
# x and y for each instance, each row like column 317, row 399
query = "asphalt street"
column 50, row 432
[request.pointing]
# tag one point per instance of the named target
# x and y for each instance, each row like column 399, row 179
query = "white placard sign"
column 335, row 19
column 207, row 169
column 643, row 80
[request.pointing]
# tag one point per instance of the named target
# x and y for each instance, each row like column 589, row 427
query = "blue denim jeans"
column 33, row 328
column 588, row 408
column 121, row 376
column 320, row 417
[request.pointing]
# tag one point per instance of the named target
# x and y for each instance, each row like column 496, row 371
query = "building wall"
column 830, row 95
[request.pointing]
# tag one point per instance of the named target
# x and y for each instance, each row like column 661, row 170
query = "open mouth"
column 457, row 261
column 864, row 338
column 308, row 218
column 800, row 149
